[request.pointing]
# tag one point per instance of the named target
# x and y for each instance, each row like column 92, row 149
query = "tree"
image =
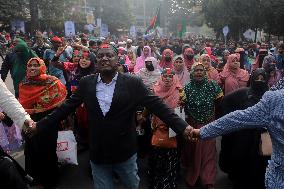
column 13, row 10
column 116, row 14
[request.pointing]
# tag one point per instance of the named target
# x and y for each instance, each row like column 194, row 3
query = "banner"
column 69, row 27
column 132, row 31
column 90, row 18
column 249, row 34
column 104, row 30
column 99, row 22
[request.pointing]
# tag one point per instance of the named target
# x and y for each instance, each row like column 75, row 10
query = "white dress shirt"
column 105, row 92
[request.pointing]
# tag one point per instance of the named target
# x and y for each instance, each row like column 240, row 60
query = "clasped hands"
column 29, row 128
column 191, row 134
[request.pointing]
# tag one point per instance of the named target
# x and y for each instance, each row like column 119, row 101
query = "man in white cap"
column 129, row 46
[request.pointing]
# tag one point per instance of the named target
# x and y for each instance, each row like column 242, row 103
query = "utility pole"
column 144, row 11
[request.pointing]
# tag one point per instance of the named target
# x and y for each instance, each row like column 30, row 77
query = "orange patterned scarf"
column 41, row 93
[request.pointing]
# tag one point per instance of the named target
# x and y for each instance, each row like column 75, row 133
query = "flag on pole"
column 182, row 28
column 155, row 21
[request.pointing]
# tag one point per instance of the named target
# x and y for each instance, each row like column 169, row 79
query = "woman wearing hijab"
column 39, row 94
column 202, row 96
column 164, row 161
column 181, row 70
column 150, row 73
column 244, row 63
column 214, row 60
column 19, row 65
column 188, row 55
column 221, row 65
column 132, row 60
column 140, row 62
column 167, row 59
column 242, row 147
column 212, row 73
column 259, row 59
column 233, row 77
column 269, row 65
column 83, row 64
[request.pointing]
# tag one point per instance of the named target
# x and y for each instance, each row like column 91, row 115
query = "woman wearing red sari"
column 39, row 94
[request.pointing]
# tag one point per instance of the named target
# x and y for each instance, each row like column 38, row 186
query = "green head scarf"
column 19, row 65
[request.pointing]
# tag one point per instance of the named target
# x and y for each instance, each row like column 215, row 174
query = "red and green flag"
column 155, row 21
column 182, row 28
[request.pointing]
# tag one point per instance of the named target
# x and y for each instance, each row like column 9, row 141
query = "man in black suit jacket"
column 111, row 100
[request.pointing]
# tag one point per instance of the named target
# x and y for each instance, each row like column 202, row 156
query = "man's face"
column 140, row 43
column 39, row 41
column 176, row 42
column 128, row 44
column 281, row 50
column 107, row 61
column 84, row 41
column 56, row 45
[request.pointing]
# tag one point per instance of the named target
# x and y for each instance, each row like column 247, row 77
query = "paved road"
column 78, row 177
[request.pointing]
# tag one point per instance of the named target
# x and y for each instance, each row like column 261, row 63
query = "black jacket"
column 113, row 137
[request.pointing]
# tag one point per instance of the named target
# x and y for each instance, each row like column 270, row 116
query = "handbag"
column 160, row 137
column 265, row 144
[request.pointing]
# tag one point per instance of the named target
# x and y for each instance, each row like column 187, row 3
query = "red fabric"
column 163, row 63
column 209, row 52
column 69, row 66
column 41, row 93
column 56, row 39
column 82, row 116
column 200, row 159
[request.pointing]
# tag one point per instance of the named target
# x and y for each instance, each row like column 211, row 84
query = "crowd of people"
column 119, row 98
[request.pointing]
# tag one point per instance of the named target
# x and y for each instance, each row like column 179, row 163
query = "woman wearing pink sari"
column 181, row 70
column 140, row 62
column 167, row 59
column 188, row 56
column 212, row 73
column 233, row 77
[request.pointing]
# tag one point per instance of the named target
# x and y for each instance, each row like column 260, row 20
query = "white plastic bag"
column 66, row 148
column 180, row 112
